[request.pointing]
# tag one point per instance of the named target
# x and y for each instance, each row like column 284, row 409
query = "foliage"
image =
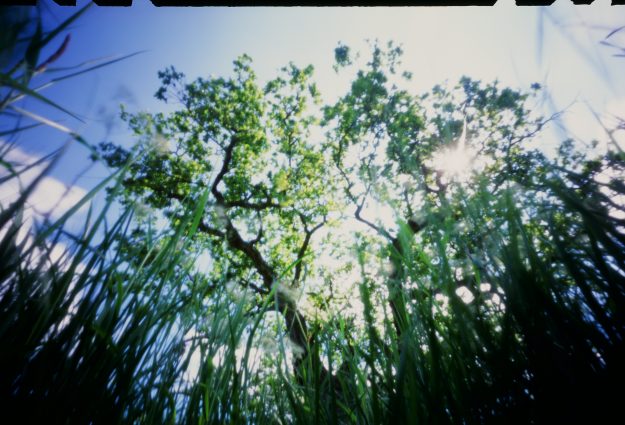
column 494, row 294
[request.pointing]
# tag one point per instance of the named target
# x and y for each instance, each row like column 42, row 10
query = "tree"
column 268, row 182
column 491, row 261
column 402, row 143
column 399, row 139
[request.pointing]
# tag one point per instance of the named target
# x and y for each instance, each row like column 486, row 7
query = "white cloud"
column 51, row 196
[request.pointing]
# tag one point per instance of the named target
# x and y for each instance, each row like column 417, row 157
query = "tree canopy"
column 491, row 287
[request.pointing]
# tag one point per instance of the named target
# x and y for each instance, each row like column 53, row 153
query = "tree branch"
column 260, row 234
column 205, row 228
column 304, row 247
column 251, row 205
column 236, row 241
column 359, row 217
column 225, row 167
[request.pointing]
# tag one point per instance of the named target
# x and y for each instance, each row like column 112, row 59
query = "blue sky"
column 557, row 46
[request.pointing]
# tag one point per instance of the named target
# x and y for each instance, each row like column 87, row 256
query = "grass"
column 116, row 331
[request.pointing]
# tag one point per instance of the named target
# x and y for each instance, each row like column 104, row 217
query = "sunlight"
column 455, row 162
column 465, row 294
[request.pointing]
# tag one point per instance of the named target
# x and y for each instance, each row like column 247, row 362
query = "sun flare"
column 455, row 162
